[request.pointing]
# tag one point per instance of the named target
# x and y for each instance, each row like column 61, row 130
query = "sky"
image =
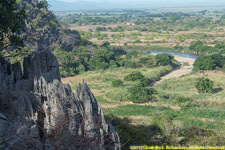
column 117, row 4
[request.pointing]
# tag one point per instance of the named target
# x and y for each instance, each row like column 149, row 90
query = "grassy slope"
column 202, row 110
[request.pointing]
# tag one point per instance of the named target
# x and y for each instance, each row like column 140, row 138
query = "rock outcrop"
column 43, row 31
column 37, row 111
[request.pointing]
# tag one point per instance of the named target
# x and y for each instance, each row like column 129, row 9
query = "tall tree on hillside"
column 11, row 25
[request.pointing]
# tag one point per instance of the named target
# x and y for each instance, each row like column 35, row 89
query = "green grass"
column 102, row 100
column 176, row 97
column 178, row 92
column 200, row 110
column 136, row 110
column 96, row 86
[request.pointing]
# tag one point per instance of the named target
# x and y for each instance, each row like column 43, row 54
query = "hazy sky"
column 91, row 4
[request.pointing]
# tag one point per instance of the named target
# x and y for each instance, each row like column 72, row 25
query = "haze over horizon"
column 65, row 5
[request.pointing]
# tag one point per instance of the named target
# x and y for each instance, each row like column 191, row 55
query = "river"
column 176, row 53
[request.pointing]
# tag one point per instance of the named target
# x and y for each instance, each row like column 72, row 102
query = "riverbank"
column 184, row 69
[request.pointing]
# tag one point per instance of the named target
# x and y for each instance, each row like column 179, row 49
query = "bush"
column 113, row 64
column 134, row 76
column 140, row 94
column 130, row 64
column 131, row 54
column 164, row 59
column 204, row 85
column 223, row 68
column 117, row 83
column 183, row 99
column 106, row 44
column 146, row 81
column 144, row 60
column 204, row 63
column 195, row 134
column 147, row 62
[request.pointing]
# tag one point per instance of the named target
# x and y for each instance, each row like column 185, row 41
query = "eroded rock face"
column 37, row 111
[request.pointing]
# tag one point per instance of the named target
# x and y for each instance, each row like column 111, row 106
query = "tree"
column 219, row 60
column 43, row 4
column 11, row 25
column 67, row 63
column 106, row 44
column 219, row 45
column 134, row 76
column 204, row 85
column 196, row 46
column 164, row 59
column 98, row 63
column 204, row 63
column 140, row 94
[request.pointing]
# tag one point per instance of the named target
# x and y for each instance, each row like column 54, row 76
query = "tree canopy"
column 164, row 59
column 11, row 24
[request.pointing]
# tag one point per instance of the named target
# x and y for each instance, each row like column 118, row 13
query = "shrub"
column 113, row 64
column 140, row 94
column 131, row 54
column 204, row 63
column 131, row 134
column 134, row 76
column 117, row 51
column 183, row 99
column 194, row 134
column 164, row 59
column 204, row 85
column 117, row 83
column 223, row 68
column 144, row 60
column 147, row 62
column 130, row 64
column 146, row 81
column 106, row 44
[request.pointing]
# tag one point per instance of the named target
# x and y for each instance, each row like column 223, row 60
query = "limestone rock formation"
column 37, row 111
column 43, row 31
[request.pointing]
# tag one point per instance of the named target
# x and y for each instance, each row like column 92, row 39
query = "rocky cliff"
column 37, row 111
column 43, row 31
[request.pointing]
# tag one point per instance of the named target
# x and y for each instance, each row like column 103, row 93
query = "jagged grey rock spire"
column 37, row 111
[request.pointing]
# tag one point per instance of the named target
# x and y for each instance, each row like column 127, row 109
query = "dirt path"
column 182, row 70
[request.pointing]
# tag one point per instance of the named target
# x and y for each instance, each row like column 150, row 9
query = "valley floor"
column 177, row 96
